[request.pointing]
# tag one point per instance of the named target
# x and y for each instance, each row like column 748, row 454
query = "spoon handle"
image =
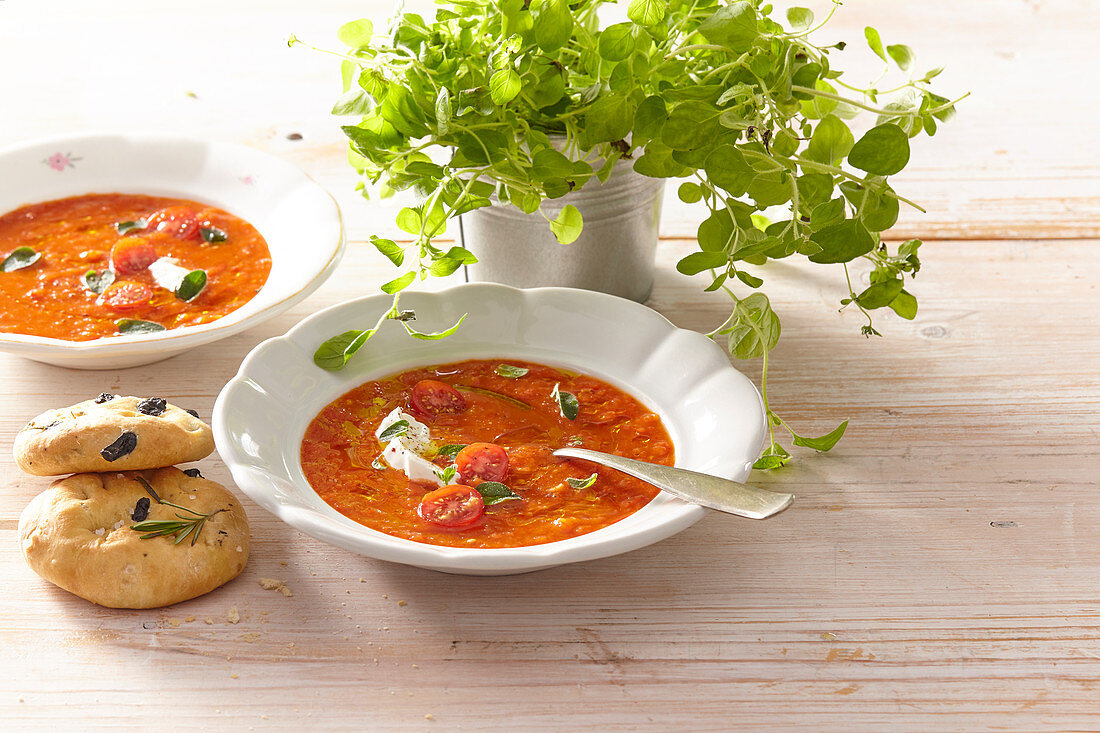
column 703, row 489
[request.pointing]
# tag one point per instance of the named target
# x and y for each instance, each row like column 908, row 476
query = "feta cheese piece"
column 406, row 452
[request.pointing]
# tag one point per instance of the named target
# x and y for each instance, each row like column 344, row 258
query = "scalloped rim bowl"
column 712, row 412
column 300, row 221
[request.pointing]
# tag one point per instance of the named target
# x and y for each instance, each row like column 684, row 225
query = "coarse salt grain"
column 100, row 531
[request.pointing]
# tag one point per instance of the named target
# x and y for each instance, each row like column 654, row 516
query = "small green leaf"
column 874, row 42
column 504, row 85
column 690, row 192
column 97, row 282
column 494, row 492
column 356, row 33
column 880, row 295
column 567, row 225
column 734, row 26
column 902, row 55
column 776, row 456
column 125, row 227
column 399, row 283
column 883, row 150
column 451, row 449
column 128, row 326
column 697, row 262
column 616, row 42
column 582, row 483
column 825, row 442
column 447, row 475
column 410, row 220
column 391, row 249
column 646, row 12
column 553, row 25
column 433, row 336
column 568, row 404
column 19, row 258
column 511, row 372
column 800, row 18
column 394, row 430
column 213, row 235
column 192, row 284
column 842, row 242
column 334, row 353
column 905, row 305
column 830, row 142
column 443, row 110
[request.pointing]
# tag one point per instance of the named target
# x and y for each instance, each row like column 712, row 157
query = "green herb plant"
column 527, row 100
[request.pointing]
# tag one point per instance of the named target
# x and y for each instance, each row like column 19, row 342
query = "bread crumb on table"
column 173, row 622
column 276, row 585
column 234, row 616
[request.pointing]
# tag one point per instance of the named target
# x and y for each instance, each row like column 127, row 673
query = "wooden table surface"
column 940, row 569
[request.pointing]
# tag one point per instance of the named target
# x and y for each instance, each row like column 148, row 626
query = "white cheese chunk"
column 167, row 273
column 407, row 452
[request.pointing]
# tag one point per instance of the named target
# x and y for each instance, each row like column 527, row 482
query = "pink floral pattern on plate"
column 247, row 180
column 60, row 161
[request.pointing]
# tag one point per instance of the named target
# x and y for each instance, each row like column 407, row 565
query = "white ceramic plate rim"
column 264, row 305
column 261, row 482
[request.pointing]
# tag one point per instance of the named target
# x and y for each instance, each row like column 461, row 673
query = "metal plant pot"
column 614, row 254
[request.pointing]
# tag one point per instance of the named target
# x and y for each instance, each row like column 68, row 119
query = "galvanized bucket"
column 614, row 254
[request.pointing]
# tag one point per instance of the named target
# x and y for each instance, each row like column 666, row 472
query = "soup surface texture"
column 493, row 425
column 91, row 266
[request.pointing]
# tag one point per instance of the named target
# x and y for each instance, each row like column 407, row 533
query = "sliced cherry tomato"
column 479, row 462
column 452, row 506
column 132, row 255
column 127, row 295
column 436, row 398
column 179, row 221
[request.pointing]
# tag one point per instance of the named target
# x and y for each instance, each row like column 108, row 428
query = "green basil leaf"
column 568, row 404
column 504, row 85
column 19, row 258
column 880, row 295
column 553, row 25
column 494, row 492
column 567, row 225
column 734, row 26
column 902, row 55
column 391, row 249
column 874, row 42
column 399, row 283
column 447, row 475
column 883, row 150
column 842, row 242
column 511, row 372
column 616, row 42
column 432, row 336
column 356, row 33
column 825, row 442
column 97, row 282
column 334, row 353
column 192, row 284
column 800, row 18
column 394, row 430
column 451, row 449
column 582, row 483
column 125, row 227
column 646, row 12
column 132, row 325
column 213, row 235
column 830, row 142
column 905, row 305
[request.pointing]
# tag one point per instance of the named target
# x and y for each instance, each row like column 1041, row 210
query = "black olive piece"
column 194, row 413
column 153, row 406
column 192, row 472
column 141, row 510
column 104, row 397
column 123, row 446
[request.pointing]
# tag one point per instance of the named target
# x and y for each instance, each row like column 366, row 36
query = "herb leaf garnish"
column 213, row 235
column 125, row 227
column 334, row 353
column 134, row 325
column 97, row 282
column 451, row 449
column 568, row 404
column 511, row 372
column 582, row 483
column 447, row 474
column 20, row 257
column 494, row 492
column 192, row 284
column 394, row 430
column 180, row 528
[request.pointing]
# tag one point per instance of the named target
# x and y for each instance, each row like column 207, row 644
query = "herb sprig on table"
column 526, row 100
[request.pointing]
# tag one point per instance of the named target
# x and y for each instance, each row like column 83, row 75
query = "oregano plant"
column 520, row 101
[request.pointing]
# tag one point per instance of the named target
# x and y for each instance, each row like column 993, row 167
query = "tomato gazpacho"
column 98, row 265
column 461, row 454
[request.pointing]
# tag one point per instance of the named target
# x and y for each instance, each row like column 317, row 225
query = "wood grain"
column 938, row 571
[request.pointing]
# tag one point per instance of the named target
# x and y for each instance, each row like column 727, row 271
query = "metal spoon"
column 703, row 489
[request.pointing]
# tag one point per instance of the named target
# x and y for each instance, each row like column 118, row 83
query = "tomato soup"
column 461, row 454
column 101, row 265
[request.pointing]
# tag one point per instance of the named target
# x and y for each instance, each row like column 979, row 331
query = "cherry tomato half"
column 436, row 398
column 127, row 295
column 452, row 506
column 132, row 255
column 179, row 221
column 479, row 462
